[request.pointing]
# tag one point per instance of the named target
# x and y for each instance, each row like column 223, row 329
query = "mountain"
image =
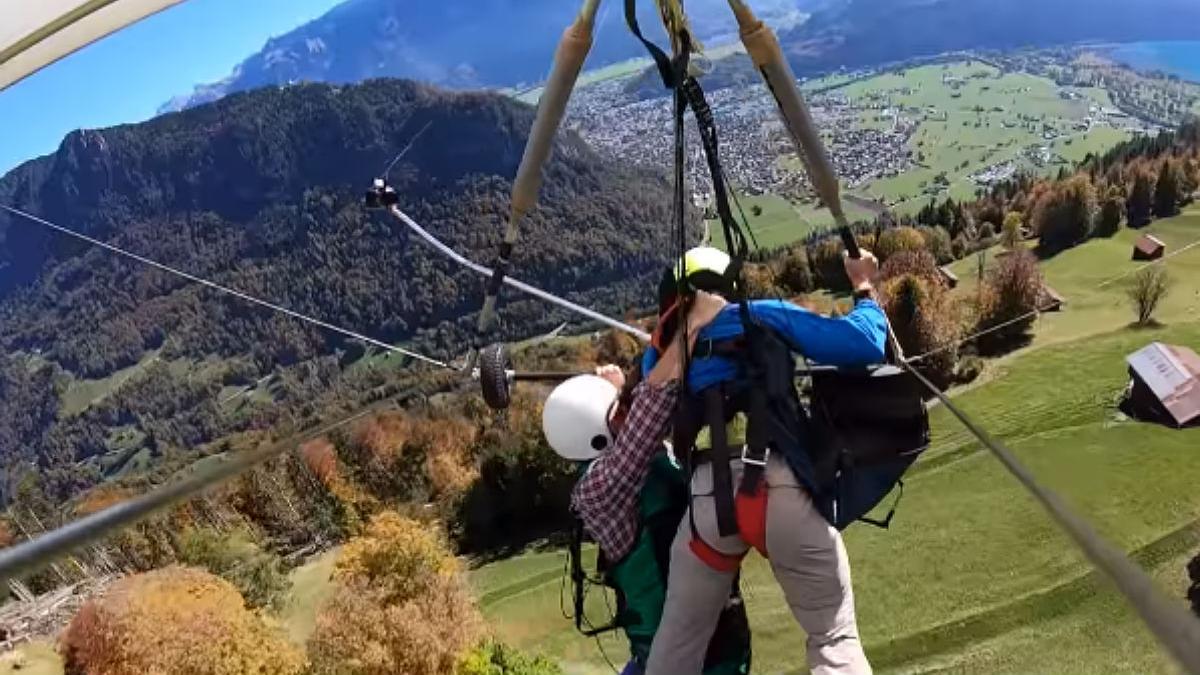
column 868, row 32
column 261, row 191
column 459, row 43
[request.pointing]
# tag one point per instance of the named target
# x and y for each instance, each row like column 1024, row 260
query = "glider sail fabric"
column 36, row 33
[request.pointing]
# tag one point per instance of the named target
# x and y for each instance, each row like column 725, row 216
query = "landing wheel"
column 494, row 366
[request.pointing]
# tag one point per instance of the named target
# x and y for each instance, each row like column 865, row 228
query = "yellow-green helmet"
column 704, row 268
column 702, row 261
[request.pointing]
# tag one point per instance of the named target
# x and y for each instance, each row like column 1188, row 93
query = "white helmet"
column 575, row 417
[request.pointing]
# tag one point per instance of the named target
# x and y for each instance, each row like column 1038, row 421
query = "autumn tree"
column 1141, row 201
column 618, row 347
column 795, row 274
column 828, row 269
column 1064, row 216
column 760, row 281
column 897, row 239
column 401, row 605
column 1007, row 300
column 497, row 658
column 922, row 313
column 918, row 263
column 937, row 241
column 1010, row 232
column 1112, row 210
column 925, row 320
column 175, row 620
column 238, row 558
column 1166, row 191
column 1149, row 287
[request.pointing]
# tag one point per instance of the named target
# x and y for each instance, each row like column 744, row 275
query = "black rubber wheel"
column 494, row 365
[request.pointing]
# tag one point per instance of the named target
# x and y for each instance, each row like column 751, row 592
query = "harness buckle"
column 755, row 461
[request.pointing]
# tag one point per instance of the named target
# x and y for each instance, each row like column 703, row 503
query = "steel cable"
column 1174, row 626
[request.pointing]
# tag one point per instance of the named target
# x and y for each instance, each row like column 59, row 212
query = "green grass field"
column 311, row 585
column 34, row 658
column 1077, row 273
column 778, row 224
column 977, row 117
column 973, row 577
column 82, row 394
column 969, row 117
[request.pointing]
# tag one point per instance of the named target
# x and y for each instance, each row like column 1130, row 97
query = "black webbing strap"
column 689, row 94
column 666, row 69
column 722, row 477
column 579, row 582
column 735, row 238
column 578, row 577
column 672, row 74
column 755, row 454
column 886, row 522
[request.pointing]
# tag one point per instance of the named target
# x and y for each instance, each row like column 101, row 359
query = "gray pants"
column 809, row 562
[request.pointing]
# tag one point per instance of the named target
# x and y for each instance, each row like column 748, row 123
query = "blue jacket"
column 857, row 339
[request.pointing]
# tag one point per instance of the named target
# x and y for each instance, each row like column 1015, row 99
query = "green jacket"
column 640, row 578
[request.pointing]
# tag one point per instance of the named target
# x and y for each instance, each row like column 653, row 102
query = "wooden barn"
column 948, row 276
column 1050, row 300
column 1148, row 247
column 1165, row 386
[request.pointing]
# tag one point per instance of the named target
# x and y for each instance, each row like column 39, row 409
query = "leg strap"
column 721, row 562
column 752, row 517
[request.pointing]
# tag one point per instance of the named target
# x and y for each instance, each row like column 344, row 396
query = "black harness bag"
column 869, row 425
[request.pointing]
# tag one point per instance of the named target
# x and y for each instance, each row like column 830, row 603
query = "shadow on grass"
column 1152, row 324
column 549, row 541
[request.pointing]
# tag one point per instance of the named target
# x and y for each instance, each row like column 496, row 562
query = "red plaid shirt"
column 606, row 498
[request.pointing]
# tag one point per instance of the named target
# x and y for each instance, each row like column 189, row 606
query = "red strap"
column 751, row 509
column 721, row 562
column 667, row 319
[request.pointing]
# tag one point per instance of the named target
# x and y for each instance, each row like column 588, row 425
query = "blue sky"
column 127, row 76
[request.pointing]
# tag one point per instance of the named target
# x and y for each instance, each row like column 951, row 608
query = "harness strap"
column 579, row 582
column 578, row 577
column 714, row 414
column 721, row 562
column 886, row 521
column 751, row 508
column 661, row 60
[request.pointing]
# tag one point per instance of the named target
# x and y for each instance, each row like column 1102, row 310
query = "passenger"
column 631, row 500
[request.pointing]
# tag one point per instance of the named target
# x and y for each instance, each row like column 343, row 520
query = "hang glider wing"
column 36, row 33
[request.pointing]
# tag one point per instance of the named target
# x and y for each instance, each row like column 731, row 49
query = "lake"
column 1180, row 58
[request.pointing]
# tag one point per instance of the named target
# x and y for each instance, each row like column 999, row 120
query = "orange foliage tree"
column 401, row 605
column 897, row 240
column 175, row 620
column 922, row 313
column 1008, row 300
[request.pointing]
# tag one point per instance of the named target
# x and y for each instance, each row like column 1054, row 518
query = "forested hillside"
column 262, row 192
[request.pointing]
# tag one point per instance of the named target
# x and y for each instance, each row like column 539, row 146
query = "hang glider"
column 36, row 33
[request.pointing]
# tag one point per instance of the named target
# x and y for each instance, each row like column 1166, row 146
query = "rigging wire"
column 227, row 290
column 412, row 141
column 1151, row 264
column 1035, row 312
